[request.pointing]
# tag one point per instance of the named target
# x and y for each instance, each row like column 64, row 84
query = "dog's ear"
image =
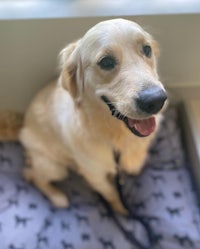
column 71, row 70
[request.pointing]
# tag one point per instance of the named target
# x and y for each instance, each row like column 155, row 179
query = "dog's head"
column 116, row 61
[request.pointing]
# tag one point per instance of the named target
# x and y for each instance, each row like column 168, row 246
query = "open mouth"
column 139, row 127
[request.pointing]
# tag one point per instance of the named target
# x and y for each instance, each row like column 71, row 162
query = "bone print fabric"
column 163, row 196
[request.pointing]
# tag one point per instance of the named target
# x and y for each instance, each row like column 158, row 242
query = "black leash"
column 141, row 219
column 151, row 238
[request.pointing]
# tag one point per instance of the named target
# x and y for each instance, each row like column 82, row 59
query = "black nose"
column 151, row 100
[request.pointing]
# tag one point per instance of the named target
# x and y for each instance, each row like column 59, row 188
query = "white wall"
column 29, row 49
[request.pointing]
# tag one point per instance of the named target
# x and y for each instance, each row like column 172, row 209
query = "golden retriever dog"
column 106, row 100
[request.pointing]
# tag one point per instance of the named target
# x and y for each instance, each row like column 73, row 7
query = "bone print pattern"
column 163, row 194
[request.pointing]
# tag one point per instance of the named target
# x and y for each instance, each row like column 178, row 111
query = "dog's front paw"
column 119, row 208
column 59, row 200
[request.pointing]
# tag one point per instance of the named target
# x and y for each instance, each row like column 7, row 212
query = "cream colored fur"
column 68, row 126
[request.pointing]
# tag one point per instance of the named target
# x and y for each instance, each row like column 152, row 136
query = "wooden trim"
column 191, row 126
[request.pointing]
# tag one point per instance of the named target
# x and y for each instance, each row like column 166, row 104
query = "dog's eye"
column 107, row 63
column 147, row 51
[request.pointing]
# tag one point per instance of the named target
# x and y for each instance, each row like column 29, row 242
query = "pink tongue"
column 145, row 127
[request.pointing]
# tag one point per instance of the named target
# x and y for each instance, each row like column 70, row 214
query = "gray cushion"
column 162, row 195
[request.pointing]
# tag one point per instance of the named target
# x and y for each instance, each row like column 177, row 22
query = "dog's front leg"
column 133, row 154
column 104, row 184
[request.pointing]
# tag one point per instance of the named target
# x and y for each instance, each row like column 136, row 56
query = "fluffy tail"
column 10, row 125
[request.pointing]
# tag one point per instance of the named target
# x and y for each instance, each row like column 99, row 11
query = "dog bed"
column 162, row 200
